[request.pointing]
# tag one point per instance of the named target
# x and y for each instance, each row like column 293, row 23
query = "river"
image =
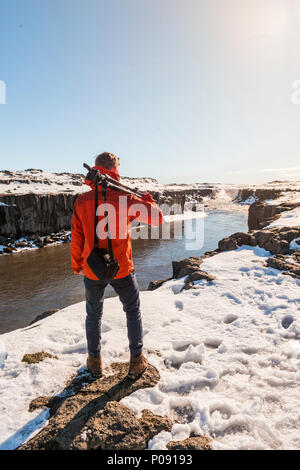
column 38, row 280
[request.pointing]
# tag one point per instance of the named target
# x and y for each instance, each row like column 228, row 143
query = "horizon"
column 174, row 89
column 277, row 181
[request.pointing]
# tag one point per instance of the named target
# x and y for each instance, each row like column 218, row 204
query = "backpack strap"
column 96, row 239
column 104, row 194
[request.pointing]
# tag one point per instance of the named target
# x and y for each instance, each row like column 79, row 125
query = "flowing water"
column 35, row 281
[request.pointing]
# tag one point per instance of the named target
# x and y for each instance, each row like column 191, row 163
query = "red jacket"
column 121, row 213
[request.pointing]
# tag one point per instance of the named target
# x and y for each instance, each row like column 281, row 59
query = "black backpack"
column 102, row 262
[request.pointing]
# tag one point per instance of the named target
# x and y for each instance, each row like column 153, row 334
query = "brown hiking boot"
column 137, row 366
column 94, row 365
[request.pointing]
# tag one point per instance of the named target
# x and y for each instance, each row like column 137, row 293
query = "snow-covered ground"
column 228, row 355
column 288, row 219
column 228, row 367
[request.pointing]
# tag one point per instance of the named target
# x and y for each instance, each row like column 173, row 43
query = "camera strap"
column 104, row 194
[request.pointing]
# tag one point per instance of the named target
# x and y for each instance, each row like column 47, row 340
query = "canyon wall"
column 261, row 214
column 30, row 214
column 43, row 214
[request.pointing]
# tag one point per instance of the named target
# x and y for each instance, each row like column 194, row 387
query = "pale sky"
column 180, row 90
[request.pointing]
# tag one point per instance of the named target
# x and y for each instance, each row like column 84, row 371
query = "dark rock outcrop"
column 258, row 193
column 235, row 240
column 153, row 285
column 35, row 214
column 190, row 269
column 186, row 266
column 152, row 424
column 262, row 214
column 289, row 265
column 88, row 415
column 276, row 240
column 28, row 214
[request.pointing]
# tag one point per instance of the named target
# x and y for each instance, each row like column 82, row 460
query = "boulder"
column 262, row 214
column 287, row 264
column 153, row 285
column 87, row 415
column 237, row 239
column 186, row 266
column 198, row 275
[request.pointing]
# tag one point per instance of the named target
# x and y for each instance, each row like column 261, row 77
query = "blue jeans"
column 128, row 291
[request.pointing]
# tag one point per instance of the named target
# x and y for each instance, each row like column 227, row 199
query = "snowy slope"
column 229, row 369
column 42, row 182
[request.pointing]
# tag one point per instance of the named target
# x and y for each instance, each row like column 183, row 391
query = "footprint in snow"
column 232, row 297
column 231, row 317
column 105, row 328
column 250, row 350
column 179, row 305
column 287, row 321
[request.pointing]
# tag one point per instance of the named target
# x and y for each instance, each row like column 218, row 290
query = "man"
column 124, row 283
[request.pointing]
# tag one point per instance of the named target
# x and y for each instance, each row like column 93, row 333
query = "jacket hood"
column 104, row 171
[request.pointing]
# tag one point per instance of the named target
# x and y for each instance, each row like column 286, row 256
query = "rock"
column 86, row 414
column 277, row 239
column 42, row 402
column 262, row 214
column 37, row 357
column 115, row 427
column 286, row 264
column 260, row 193
column 191, row 443
column 21, row 244
column 227, row 244
column 198, row 275
column 153, row 285
column 186, row 266
column 237, row 239
column 209, row 254
column 30, row 214
column 152, row 424
column 44, row 315
column 287, row 321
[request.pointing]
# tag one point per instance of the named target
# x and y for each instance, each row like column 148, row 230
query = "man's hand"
column 79, row 272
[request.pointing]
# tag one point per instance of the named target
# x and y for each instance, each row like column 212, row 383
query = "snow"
column 287, row 219
column 229, row 368
column 228, row 351
column 187, row 215
column 295, row 244
column 249, row 201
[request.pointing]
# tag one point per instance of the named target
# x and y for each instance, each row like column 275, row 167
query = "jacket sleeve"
column 144, row 211
column 77, row 240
